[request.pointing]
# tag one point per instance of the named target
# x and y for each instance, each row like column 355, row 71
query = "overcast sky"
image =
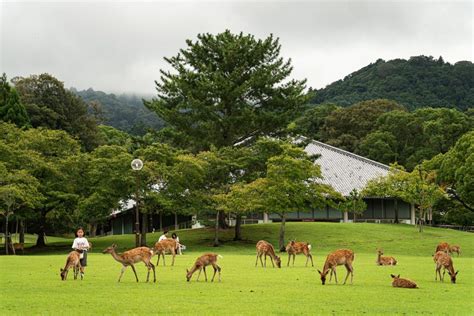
column 119, row 47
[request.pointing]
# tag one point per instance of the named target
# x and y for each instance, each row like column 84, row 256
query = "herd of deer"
column 339, row 257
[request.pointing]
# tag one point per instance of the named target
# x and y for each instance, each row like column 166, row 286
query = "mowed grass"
column 34, row 286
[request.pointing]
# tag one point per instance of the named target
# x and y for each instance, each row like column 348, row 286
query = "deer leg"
column 164, row 263
column 289, row 257
column 349, row 270
column 199, row 274
column 261, row 262
column 158, row 261
column 311, row 257
column 121, row 272
column 205, row 275
column 148, row 274
column 330, row 275
column 134, row 271
column 154, row 274
column 294, row 256
column 265, row 264
column 215, row 270
column 174, row 254
column 335, row 276
column 271, row 259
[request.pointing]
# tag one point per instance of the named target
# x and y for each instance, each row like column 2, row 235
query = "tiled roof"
column 343, row 170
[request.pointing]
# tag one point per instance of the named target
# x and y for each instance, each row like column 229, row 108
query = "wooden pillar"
column 265, row 217
column 412, row 214
column 346, row 217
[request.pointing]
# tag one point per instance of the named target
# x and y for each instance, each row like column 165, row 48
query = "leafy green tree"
column 11, row 109
column 226, row 88
column 311, row 123
column 353, row 203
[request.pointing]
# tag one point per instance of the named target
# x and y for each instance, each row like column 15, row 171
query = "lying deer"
column 293, row 248
column 130, row 257
column 18, row 246
column 443, row 246
column 405, row 283
column 385, row 261
column 201, row 263
column 455, row 248
column 443, row 260
column 339, row 257
column 73, row 261
column 161, row 247
column 265, row 248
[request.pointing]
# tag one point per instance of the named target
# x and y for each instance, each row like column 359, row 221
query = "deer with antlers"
column 73, row 261
column 130, row 257
column 385, row 261
column 201, row 263
column 339, row 257
column 265, row 248
column 404, row 283
column 443, row 260
column 163, row 246
column 293, row 248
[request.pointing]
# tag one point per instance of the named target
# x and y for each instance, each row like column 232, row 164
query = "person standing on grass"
column 178, row 245
column 81, row 245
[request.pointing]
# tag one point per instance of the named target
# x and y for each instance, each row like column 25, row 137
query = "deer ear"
column 319, row 272
column 398, row 276
column 187, row 271
column 456, row 272
column 392, row 275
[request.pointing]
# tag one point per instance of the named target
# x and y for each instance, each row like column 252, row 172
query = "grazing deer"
column 385, row 261
column 339, row 257
column 73, row 261
column 405, row 283
column 18, row 246
column 201, row 263
column 161, row 247
column 293, row 248
column 265, row 248
column 130, row 257
column 443, row 246
column 455, row 248
column 444, row 261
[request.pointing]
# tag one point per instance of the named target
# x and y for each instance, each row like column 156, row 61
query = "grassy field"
column 33, row 284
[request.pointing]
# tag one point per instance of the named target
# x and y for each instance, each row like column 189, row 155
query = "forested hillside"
column 124, row 112
column 418, row 82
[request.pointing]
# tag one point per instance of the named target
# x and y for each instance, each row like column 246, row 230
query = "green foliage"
column 226, row 88
column 418, row 82
column 353, row 203
column 11, row 109
column 123, row 112
column 51, row 106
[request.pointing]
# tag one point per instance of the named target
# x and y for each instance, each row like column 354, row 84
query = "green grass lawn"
column 34, row 286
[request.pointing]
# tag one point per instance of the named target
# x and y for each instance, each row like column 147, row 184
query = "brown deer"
column 201, row 263
column 130, row 257
column 293, row 248
column 405, row 283
column 73, row 261
column 385, row 261
column 19, row 246
column 265, row 248
column 339, row 257
column 455, row 248
column 161, row 247
column 444, row 261
column 443, row 246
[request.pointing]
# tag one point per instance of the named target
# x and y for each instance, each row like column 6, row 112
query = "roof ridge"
column 348, row 153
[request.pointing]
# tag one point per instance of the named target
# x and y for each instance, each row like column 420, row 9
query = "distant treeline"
column 418, row 82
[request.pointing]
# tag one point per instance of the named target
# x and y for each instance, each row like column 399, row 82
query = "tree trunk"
column 40, row 242
column 176, row 226
column 238, row 224
column 216, row 232
column 7, row 235
column 92, row 229
column 222, row 222
column 144, row 229
column 161, row 221
column 281, row 242
column 396, row 212
column 22, row 232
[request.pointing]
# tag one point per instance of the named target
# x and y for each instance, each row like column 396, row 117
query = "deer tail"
column 309, row 246
column 220, row 256
column 152, row 252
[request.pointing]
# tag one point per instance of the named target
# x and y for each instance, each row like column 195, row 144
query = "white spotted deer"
column 455, row 249
column 339, row 257
column 265, row 248
column 201, row 263
column 293, row 248
column 130, row 257
column 385, row 261
column 404, row 283
column 443, row 246
column 73, row 261
column 166, row 245
column 443, row 260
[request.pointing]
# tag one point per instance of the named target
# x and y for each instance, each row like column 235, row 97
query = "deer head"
column 323, row 276
column 278, row 261
column 453, row 276
column 110, row 249
column 188, row 275
column 63, row 274
column 380, row 251
column 395, row 277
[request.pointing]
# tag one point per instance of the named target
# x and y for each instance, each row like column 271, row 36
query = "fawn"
column 293, row 248
column 405, row 283
column 18, row 246
column 385, row 261
column 339, row 257
column 201, row 263
column 443, row 260
column 130, row 257
column 443, row 246
column 265, row 248
column 165, row 245
column 73, row 261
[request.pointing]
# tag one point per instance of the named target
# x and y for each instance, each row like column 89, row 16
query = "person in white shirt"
column 178, row 245
column 81, row 245
column 164, row 236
